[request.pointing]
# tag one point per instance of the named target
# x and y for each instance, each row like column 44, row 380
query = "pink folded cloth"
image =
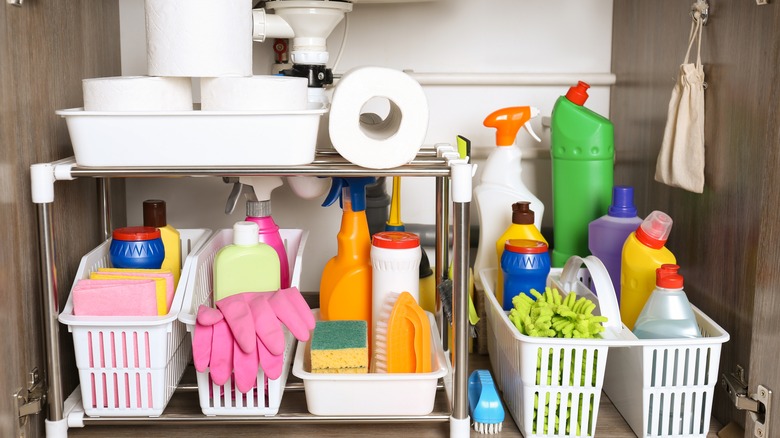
column 156, row 273
column 115, row 298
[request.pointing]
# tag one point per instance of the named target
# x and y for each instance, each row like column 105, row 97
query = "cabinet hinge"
column 29, row 400
column 759, row 405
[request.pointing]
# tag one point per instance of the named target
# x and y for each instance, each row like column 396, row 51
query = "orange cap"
column 507, row 122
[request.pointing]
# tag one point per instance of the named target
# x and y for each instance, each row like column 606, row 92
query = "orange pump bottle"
column 345, row 286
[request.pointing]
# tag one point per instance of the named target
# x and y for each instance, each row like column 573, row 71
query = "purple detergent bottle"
column 607, row 234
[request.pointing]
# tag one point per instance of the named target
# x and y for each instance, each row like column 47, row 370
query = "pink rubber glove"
column 215, row 349
column 256, row 320
column 291, row 309
column 250, row 318
column 203, row 335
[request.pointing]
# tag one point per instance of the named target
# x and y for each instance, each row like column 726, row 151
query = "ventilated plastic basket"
column 266, row 397
column 664, row 387
column 552, row 386
column 661, row 387
column 130, row 365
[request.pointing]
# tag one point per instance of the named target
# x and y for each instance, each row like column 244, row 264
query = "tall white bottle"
column 501, row 183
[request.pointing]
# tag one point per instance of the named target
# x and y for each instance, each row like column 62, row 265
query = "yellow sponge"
column 339, row 347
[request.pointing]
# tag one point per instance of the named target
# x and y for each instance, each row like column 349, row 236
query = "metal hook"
column 700, row 10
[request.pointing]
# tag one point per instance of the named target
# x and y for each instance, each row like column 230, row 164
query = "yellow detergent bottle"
column 155, row 216
column 345, row 286
column 643, row 253
column 522, row 227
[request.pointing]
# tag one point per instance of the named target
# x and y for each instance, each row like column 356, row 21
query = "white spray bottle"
column 501, row 183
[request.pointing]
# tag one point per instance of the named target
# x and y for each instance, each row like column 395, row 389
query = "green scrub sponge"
column 339, row 347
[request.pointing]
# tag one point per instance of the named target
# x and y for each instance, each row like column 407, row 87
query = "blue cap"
column 622, row 202
column 357, row 191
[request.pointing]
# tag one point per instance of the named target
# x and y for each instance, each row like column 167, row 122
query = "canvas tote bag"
column 681, row 159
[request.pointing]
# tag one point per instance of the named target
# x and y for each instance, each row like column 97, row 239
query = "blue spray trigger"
column 334, row 193
column 357, row 191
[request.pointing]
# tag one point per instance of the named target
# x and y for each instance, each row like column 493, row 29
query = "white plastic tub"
column 371, row 393
column 130, row 365
column 224, row 399
column 193, row 138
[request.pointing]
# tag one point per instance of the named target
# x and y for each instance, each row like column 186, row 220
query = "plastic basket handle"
column 604, row 290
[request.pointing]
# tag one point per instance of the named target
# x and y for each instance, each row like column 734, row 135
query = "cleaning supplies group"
column 373, row 280
column 244, row 331
column 584, row 221
column 144, row 273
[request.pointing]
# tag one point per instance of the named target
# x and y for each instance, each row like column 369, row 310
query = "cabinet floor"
column 610, row 423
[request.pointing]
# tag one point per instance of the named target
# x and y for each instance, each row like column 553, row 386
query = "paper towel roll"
column 137, row 93
column 254, row 93
column 199, row 38
column 366, row 141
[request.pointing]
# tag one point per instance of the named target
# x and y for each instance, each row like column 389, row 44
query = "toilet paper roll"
column 254, row 93
column 137, row 93
column 199, row 38
column 371, row 141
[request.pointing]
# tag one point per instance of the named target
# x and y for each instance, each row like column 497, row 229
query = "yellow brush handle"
column 395, row 204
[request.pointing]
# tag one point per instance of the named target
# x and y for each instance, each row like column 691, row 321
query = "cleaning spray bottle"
column 643, row 253
column 502, row 184
column 258, row 210
column 522, row 227
column 345, row 286
column 583, row 156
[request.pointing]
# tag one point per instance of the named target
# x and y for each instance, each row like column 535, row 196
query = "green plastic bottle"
column 583, row 156
column 246, row 265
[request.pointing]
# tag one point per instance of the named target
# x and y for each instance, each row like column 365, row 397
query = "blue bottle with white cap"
column 607, row 234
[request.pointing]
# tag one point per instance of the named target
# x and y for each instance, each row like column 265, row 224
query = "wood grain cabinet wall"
column 727, row 240
column 46, row 48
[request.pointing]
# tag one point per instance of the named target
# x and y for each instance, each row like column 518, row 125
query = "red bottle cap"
column 525, row 246
column 395, row 240
column 135, row 234
column 667, row 277
column 578, row 94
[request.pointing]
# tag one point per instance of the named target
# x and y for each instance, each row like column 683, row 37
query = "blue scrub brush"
column 485, row 407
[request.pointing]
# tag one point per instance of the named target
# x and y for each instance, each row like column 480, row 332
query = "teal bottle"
column 583, row 157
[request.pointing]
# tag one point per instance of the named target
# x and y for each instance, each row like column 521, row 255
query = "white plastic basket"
column 523, row 365
column 661, row 387
column 130, row 365
column 665, row 387
column 266, row 397
column 373, row 393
